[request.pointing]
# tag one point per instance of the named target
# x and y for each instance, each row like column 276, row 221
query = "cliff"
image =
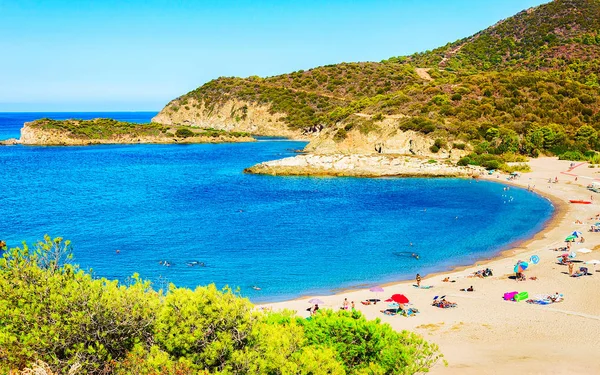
column 232, row 115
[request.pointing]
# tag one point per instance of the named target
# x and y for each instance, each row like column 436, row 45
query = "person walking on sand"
column 570, row 268
column 345, row 304
column 352, row 306
column 418, row 279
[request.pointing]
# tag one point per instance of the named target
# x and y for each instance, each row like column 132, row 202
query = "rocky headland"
column 363, row 166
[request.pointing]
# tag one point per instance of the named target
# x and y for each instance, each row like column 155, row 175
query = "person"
column 470, row 289
column 352, row 306
column 581, row 240
column 418, row 279
column 570, row 267
column 345, row 304
column 314, row 309
column 415, row 255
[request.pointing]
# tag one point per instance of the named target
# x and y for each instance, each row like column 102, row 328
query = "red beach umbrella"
column 399, row 298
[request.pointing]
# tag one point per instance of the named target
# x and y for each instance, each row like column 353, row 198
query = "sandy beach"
column 487, row 335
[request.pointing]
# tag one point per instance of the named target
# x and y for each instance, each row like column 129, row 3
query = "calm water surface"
column 289, row 236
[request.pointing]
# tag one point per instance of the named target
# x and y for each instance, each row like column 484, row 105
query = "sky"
column 127, row 55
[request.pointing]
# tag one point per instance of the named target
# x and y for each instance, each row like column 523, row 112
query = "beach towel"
column 521, row 296
column 509, row 296
column 423, row 286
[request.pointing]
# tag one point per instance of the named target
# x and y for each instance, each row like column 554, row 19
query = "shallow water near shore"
column 288, row 236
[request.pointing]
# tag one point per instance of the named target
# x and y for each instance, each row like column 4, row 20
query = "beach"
column 485, row 333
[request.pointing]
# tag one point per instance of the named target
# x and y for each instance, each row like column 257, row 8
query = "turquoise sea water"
column 290, row 236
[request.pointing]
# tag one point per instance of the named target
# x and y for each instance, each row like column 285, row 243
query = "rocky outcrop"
column 10, row 142
column 233, row 115
column 31, row 135
column 363, row 166
column 382, row 137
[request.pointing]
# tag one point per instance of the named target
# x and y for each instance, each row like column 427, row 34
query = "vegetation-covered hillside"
column 528, row 85
column 53, row 312
column 109, row 129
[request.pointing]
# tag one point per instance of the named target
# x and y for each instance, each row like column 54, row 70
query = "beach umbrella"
column 576, row 234
column 389, row 300
column 570, row 238
column 534, row 259
column 400, row 298
column 376, row 290
column 521, row 266
column 584, row 251
column 315, row 301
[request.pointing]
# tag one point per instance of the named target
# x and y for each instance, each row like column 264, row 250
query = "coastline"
column 512, row 248
column 455, row 337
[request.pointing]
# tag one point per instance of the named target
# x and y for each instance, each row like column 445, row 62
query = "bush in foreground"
column 56, row 317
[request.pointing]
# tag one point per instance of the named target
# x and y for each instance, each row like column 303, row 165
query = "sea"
column 189, row 215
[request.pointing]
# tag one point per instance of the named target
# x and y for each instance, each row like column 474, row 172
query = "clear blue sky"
column 66, row 55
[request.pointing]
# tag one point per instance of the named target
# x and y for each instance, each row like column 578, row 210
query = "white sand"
column 487, row 335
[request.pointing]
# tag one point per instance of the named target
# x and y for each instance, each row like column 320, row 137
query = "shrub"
column 51, row 311
column 572, row 155
column 378, row 117
column 340, row 135
column 459, row 146
column 434, row 149
column 184, row 133
column 369, row 346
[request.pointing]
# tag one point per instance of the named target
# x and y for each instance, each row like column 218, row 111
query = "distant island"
column 108, row 131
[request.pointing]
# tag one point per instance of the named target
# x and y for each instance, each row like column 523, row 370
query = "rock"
column 363, row 166
column 10, row 142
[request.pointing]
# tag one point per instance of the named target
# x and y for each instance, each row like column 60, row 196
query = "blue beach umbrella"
column 521, row 266
column 576, row 234
column 534, row 259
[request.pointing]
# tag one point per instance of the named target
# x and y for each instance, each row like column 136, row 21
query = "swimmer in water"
column 415, row 255
column 255, row 287
column 118, row 251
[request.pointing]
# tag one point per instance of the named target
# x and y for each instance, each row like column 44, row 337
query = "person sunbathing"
column 469, row 289
column 389, row 311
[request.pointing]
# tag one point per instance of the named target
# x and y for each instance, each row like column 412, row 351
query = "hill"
column 527, row 85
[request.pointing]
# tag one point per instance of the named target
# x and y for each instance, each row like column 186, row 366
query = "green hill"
column 528, row 84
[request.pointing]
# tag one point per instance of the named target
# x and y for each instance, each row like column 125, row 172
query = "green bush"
column 572, row 155
column 340, row 135
column 52, row 311
column 184, row 133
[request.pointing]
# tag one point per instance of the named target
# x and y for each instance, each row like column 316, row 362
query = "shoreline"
column 473, row 337
column 513, row 248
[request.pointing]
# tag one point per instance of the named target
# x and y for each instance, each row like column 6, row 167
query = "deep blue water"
column 288, row 235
